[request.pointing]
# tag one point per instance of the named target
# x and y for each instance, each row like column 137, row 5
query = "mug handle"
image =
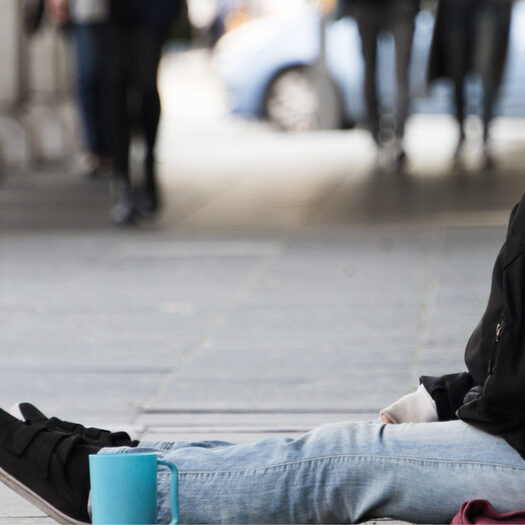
column 174, row 491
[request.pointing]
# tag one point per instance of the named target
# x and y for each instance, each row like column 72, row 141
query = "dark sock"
column 77, row 467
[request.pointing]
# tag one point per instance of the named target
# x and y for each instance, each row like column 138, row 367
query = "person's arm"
column 448, row 392
column 436, row 399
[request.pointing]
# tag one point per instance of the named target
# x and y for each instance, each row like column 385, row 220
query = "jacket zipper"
column 493, row 352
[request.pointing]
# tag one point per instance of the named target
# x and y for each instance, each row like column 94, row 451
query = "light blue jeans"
column 340, row 473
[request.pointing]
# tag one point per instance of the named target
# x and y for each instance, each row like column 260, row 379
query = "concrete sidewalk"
column 256, row 304
column 285, row 285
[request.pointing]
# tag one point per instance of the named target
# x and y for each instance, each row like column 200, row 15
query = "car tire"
column 291, row 101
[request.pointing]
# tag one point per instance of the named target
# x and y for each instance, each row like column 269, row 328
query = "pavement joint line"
column 434, row 258
column 298, row 411
column 229, row 430
column 249, row 284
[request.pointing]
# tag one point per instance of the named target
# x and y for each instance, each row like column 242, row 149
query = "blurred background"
column 261, row 66
column 303, row 235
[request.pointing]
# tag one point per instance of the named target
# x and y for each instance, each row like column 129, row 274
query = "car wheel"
column 291, row 102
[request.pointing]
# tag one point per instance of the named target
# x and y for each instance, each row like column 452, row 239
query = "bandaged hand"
column 417, row 407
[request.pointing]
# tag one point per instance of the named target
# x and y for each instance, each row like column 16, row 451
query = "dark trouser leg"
column 459, row 97
column 148, row 42
column 489, row 95
column 403, row 33
column 117, row 99
column 89, row 78
column 457, row 53
column 119, row 55
column 487, row 27
column 367, row 20
column 148, row 51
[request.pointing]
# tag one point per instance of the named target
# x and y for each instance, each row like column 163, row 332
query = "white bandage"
column 417, row 407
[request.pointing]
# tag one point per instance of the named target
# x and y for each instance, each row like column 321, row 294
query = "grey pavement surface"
column 286, row 283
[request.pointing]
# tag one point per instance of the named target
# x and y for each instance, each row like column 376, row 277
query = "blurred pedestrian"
column 88, row 20
column 137, row 32
column 471, row 37
column 397, row 17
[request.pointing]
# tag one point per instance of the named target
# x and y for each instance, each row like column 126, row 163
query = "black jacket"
column 463, row 15
column 491, row 395
column 152, row 13
column 346, row 7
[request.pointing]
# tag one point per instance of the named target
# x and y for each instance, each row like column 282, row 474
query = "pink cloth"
column 481, row 511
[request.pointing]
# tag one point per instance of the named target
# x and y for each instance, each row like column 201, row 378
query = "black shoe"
column 488, row 160
column 400, row 160
column 97, row 437
column 123, row 211
column 148, row 202
column 33, row 464
column 147, row 205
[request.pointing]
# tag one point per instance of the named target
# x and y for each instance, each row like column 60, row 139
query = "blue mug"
column 124, row 488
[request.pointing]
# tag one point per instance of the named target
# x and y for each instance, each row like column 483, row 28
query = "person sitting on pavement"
column 456, row 438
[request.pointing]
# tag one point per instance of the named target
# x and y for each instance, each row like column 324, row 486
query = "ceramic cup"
column 124, row 488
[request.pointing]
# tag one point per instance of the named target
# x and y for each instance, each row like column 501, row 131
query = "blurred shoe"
column 391, row 158
column 488, row 159
column 98, row 437
column 148, row 202
column 123, row 211
column 459, row 153
column 95, row 166
column 33, row 463
column 400, row 160
column 488, row 162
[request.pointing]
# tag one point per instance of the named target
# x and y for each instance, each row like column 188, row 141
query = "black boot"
column 149, row 200
column 98, row 437
column 49, row 469
column 123, row 210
